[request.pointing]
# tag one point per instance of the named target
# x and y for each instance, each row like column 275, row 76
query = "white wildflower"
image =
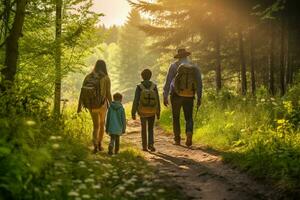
column 86, row 196
column 73, row 194
column 52, row 137
column 55, row 146
column 89, row 180
column 161, row 190
column 77, row 181
column 96, row 186
column 82, row 186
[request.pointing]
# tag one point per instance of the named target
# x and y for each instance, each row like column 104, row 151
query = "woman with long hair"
column 99, row 114
column 96, row 97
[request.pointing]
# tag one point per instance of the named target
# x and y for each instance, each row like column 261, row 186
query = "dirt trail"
column 200, row 175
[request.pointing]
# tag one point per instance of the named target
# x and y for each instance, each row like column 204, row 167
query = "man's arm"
column 158, row 106
column 170, row 77
column 136, row 101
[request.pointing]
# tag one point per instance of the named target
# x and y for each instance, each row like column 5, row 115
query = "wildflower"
column 89, row 180
column 73, row 194
column 52, row 137
column 161, row 190
column 130, row 194
column 262, row 100
column 81, row 163
column 115, row 177
column 272, row 99
column 281, row 121
column 121, row 188
column 96, row 186
column 30, row 123
column 55, row 146
column 82, row 186
column 77, row 181
column 141, row 190
column 86, row 196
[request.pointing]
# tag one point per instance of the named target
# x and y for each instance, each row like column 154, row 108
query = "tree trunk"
column 218, row 62
column 58, row 26
column 243, row 62
column 271, row 60
column 288, row 63
column 252, row 64
column 11, row 44
column 282, row 53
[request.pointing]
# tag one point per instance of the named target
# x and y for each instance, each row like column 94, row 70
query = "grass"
column 42, row 158
column 258, row 135
column 76, row 173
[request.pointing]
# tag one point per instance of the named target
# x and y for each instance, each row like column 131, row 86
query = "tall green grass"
column 44, row 158
column 260, row 135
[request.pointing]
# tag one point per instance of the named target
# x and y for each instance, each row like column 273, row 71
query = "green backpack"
column 148, row 100
column 185, row 81
column 90, row 95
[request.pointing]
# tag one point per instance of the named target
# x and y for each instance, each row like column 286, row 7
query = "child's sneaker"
column 100, row 148
column 151, row 148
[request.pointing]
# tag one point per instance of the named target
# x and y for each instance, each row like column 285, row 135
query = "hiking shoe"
column 188, row 141
column 100, row 148
column 151, row 148
column 145, row 149
column 110, row 153
column 177, row 143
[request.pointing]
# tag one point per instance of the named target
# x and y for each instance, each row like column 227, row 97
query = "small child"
column 146, row 103
column 115, row 123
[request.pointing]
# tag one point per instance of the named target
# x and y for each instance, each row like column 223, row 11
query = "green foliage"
column 260, row 135
column 24, row 126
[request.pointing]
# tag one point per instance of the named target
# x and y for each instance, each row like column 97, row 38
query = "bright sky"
column 116, row 11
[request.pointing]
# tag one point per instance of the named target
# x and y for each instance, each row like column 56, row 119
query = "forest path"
column 200, row 175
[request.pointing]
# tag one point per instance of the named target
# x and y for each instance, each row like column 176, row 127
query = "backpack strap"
column 152, row 86
column 142, row 87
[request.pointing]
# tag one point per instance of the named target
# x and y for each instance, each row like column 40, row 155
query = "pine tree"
column 132, row 54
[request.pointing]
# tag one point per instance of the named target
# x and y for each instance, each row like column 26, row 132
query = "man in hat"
column 177, row 78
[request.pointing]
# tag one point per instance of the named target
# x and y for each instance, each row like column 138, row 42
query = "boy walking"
column 115, row 123
column 146, row 103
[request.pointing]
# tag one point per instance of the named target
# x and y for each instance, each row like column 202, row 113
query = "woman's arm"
column 108, row 90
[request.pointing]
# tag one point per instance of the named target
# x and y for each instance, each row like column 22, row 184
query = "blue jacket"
column 169, row 85
column 115, row 119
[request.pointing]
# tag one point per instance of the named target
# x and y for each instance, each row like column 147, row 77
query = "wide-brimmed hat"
column 182, row 53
